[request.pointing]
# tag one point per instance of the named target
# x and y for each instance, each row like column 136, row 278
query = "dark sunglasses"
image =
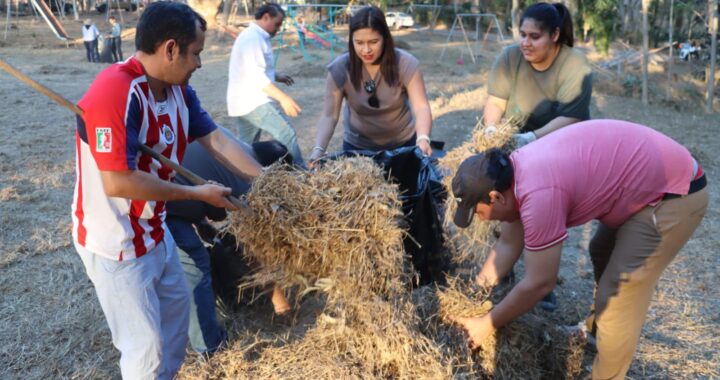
column 371, row 88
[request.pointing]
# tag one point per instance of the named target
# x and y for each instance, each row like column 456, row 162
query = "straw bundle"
column 529, row 348
column 335, row 229
column 468, row 242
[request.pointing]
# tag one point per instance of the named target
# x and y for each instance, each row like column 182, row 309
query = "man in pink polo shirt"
column 647, row 192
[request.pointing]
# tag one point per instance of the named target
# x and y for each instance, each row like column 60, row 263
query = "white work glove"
column 522, row 139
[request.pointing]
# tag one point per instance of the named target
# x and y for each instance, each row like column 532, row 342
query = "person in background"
column 115, row 39
column 542, row 80
column 186, row 218
column 386, row 105
column 647, row 192
column 90, row 40
column 118, row 210
column 252, row 96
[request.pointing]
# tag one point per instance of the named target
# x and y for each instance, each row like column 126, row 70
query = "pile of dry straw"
column 336, row 231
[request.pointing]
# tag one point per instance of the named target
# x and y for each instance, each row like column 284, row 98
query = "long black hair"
column 373, row 18
column 551, row 17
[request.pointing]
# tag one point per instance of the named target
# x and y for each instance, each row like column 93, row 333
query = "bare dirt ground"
column 51, row 325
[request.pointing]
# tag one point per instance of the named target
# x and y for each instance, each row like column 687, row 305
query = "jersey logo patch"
column 168, row 135
column 103, row 137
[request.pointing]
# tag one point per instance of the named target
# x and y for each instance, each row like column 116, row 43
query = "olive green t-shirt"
column 386, row 127
column 563, row 89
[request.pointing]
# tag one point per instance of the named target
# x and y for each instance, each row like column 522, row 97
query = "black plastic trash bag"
column 105, row 50
column 422, row 195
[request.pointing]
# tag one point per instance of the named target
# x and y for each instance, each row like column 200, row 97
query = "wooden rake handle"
column 192, row 177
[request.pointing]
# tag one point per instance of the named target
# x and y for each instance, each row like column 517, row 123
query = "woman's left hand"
column 424, row 146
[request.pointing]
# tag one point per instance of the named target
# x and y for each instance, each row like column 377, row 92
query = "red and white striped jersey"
column 119, row 113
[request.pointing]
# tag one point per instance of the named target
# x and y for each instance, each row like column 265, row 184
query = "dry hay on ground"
column 368, row 339
column 467, row 242
column 530, row 347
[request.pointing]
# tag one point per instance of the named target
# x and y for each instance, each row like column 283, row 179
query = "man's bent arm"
column 276, row 93
column 139, row 185
column 503, row 255
column 541, row 269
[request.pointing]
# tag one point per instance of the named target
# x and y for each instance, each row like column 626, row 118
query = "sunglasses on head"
column 371, row 88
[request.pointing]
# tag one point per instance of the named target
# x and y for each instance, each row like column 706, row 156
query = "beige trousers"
column 628, row 262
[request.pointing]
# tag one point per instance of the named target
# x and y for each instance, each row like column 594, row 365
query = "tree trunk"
column 645, row 55
column 635, row 16
column 227, row 6
column 713, row 26
column 621, row 16
column 515, row 15
column 206, row 8
column 668, row 94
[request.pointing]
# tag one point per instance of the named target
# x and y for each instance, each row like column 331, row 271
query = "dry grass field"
column 51, row 325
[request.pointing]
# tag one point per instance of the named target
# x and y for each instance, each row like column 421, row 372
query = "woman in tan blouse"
column 386, row 106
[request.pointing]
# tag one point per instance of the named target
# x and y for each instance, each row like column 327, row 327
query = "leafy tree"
column 600, row 16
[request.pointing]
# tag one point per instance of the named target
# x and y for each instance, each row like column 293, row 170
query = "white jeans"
column 147, row 304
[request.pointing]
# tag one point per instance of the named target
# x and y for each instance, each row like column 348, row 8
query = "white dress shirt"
column 251, row 69
column 90, row 33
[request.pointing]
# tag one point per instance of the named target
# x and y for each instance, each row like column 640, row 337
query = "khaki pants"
column 628, row 262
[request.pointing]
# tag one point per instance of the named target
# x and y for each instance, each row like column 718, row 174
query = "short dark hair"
column 373, row 18
column 165, row 20
column 551, row 17
column 111, row 18
column 272, row 8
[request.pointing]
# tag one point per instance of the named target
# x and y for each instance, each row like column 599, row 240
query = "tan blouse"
column 386, row 127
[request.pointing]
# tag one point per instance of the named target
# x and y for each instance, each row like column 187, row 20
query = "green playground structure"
column 319, row 33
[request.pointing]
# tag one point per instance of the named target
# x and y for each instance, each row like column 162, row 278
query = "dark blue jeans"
column 116, row 48
column 347, row 146
column 206, row 333
column 91, row 49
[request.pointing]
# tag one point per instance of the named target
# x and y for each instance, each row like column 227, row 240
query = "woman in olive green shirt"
column 542, row 79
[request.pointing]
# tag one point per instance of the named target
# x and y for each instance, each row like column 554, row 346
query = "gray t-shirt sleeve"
column 408, row 65
column 338, row 69
column 575, row 89
column 500, row 79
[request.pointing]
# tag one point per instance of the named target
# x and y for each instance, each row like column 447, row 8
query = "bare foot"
column 280, row 303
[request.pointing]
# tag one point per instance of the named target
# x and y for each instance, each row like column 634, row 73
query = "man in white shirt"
column 90, row 40
column 252, row 95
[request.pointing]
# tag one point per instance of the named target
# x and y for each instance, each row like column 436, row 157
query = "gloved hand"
column 522, row 139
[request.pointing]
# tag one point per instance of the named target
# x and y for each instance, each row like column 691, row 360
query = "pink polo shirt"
column 597, row 169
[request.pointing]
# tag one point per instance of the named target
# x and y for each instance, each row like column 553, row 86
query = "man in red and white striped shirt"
column 119, row 203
